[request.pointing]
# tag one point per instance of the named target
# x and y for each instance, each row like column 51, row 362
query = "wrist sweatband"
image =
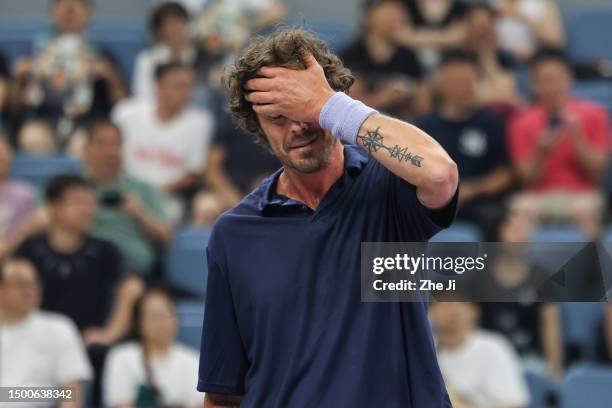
column 343, row 116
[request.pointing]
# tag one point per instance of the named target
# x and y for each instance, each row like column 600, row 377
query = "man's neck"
column 310, row 188
column 63, row 240
column 449, row 341
column 158, row 350
column 379, row 47
column 104, row 176
column 556, row 106
column 7, row 317
column 164, row 114
column 456, row 111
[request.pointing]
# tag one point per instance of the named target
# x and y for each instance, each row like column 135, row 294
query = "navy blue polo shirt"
column 284, row 324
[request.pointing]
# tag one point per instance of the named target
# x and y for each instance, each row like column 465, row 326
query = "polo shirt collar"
column 354, row 163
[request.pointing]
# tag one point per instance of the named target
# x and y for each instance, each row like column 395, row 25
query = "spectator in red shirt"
column 559, row 147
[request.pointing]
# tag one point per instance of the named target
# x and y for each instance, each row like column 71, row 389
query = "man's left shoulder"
column 589, row 109
column 54, row 325
column 199, row 117
column 488, row 116
column 491, row 342
column 100, row 248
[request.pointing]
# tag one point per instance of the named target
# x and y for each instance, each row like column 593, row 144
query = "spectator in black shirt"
column 235, row 165
column 83, row 277
column 80, row 274
column 388, row 75
column 474, row 138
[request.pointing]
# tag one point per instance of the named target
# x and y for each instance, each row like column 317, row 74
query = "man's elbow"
column 442, row 184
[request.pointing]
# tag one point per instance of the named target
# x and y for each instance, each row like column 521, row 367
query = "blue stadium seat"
column 587, row 387
column 557, row 233
column 187, row 269
column 581, row 323
column 37, row 169
column 589, row 32
column 607, row 234
column 539, row 389
column 191, row 316
column 547, row 251
column 334, row 33
column 122, row 39
column 459, row 232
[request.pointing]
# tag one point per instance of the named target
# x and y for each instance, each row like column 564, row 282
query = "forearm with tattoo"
column 373, row 141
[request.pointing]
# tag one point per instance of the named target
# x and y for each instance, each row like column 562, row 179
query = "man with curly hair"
column 284, row 324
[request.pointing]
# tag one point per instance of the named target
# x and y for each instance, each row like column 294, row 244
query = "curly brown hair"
column 283, row 48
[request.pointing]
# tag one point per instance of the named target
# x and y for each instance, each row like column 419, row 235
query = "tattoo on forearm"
column 373, row 141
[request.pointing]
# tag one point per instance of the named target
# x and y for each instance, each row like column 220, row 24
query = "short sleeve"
column 599, row 129
column 420, row 220
column 410, row 64
column 504, row 382
column 223, row 361
column 72, row 361
column 499, row 150
column 152, row 200
column 116, row 267
column 117, row 384
column 520, row 147
column 118, row 113
column 192, row 396
column 23, row 250
column 142, row 78
column 196, row 160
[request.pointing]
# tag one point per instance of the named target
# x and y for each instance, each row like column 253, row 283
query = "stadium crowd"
column 84, row 299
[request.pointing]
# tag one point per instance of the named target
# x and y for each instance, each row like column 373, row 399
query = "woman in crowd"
column 435, row 25
column 152, row 370
column 526, row 25
column 169, row 30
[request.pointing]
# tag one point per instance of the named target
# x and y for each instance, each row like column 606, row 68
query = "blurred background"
column 117, row 154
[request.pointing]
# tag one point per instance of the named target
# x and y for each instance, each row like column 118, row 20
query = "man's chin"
column 311, row 158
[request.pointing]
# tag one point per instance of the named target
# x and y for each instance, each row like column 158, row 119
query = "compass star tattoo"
column 373, row 141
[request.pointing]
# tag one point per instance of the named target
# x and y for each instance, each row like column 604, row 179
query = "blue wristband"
column 343, row 116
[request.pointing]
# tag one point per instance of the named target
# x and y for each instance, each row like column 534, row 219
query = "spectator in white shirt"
column 169, row 31
column 480, row 368
column 153, row 370
column 526, row 25
column 166, row 140
column 37, row 349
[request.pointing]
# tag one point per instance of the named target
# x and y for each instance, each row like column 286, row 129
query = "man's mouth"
column 305, row 142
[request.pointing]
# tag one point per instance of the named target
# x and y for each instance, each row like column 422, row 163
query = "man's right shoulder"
column 236, row 220
column 31, row 246
column 528, row 117
column 54, row 324
column 129, row 108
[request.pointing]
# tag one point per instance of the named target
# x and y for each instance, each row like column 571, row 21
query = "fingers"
column 309, row 60
column 269, row 110
column 261, row 97
column 270, row 72
column 259, row 84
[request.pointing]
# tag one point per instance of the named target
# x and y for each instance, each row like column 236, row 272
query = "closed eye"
column 278, row 119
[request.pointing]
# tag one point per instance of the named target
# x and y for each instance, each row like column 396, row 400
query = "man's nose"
column 299, row 127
